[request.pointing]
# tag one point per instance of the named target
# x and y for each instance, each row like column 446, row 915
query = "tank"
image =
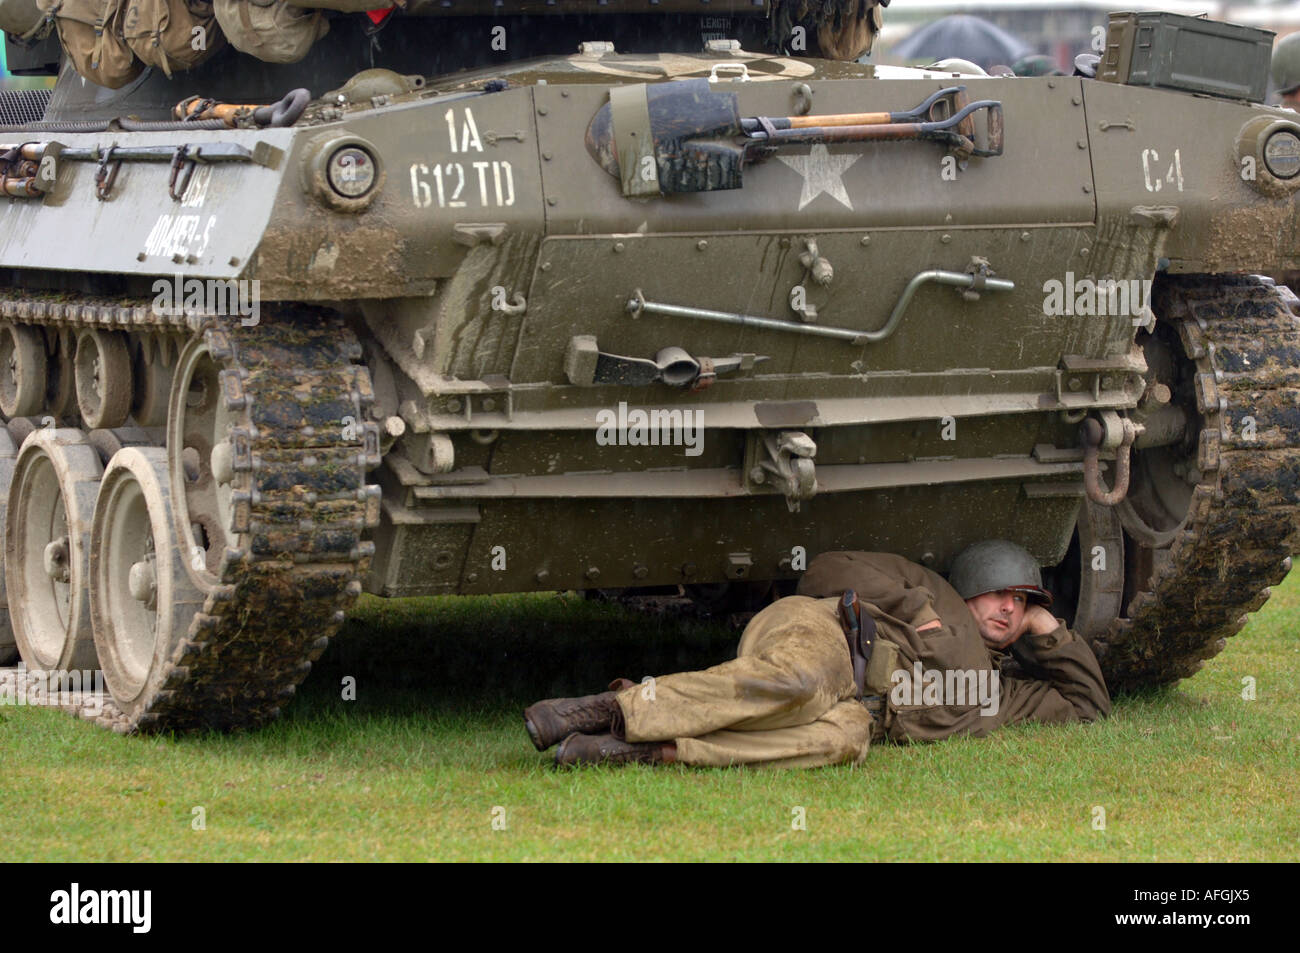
column 664, row 311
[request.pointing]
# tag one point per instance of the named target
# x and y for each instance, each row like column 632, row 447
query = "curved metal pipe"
column 958, row 279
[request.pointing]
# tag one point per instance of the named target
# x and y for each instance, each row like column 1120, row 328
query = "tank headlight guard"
column 1268, row 155
column 343, row 172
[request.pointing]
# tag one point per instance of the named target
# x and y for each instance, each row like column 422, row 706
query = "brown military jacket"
column 946, row 681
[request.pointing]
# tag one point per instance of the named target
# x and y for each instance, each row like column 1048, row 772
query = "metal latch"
column 586, row 365
column 784, row 462
column 740, row 68
column 106, row 174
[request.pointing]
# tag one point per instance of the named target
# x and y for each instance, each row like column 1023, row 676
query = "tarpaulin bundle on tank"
column 20, row 17
column 271, row 30
column 110, row 42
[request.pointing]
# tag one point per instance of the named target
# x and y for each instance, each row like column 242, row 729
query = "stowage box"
column 1188, row 53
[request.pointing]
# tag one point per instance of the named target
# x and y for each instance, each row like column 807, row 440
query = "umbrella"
column 967, row 37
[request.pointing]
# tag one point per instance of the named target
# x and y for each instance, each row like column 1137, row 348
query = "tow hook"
column 1111, row 432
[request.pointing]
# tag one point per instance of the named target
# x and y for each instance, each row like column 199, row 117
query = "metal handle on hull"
column 638, row 305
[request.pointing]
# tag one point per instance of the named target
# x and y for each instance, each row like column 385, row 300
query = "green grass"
column 415, row 766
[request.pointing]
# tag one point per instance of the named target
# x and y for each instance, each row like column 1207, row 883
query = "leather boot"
column 606, row 749
column 555, row 718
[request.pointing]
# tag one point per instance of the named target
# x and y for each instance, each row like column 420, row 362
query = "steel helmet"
column 997, row 564
column 1286, row 63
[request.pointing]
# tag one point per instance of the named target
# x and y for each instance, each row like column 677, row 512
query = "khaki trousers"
column 785, row 701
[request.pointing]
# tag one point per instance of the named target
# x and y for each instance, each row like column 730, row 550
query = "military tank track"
column 1243, row 522
column 267, row 528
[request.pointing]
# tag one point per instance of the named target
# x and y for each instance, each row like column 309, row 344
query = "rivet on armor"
column 542, row 575
column 592, row 573
column 640, row 572
column 701, row 245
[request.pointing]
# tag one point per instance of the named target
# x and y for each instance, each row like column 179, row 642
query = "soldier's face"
column 999, row 615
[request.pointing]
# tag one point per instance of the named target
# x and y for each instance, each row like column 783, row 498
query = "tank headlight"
column 351, row 171
column 1282, row 154
column 343, row 172
column 1268, row 154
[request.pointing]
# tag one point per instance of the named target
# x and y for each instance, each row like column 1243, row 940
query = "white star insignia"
column 822, row 172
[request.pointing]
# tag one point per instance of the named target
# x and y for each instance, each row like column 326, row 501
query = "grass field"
column 431, row 762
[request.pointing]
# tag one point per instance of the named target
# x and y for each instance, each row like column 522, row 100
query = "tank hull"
column 485, row 364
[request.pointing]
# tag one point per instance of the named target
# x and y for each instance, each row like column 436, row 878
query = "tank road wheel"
column 202, row 472
column 61, row 376
column 103, row 372
column 141, row 597
column 47, row 537
column 22, row 370
column 1092, row 577
column 152, row 367
column 8, row 456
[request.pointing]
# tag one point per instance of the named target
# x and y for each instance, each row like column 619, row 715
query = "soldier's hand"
column 1038, row 621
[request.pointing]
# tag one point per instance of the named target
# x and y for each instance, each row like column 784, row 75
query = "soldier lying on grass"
column 815, row 683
